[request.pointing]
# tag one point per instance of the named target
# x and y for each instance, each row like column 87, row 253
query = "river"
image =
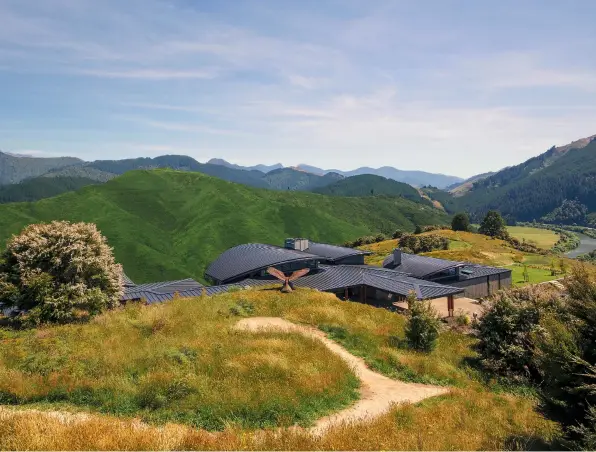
column 586, row 245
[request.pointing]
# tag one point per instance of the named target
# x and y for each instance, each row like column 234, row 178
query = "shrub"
column 493, row 225
column 59, row 272
column 398, row 234
column 510, row 329
column 460, row 222
column 422, row 328
column 423, row 243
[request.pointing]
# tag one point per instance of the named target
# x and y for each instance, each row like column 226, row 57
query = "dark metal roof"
column 479, row 271
column 157, row 291
column 333, row 252
column 242, row 260
column 126, row 281
column 339, row 276
column 420, row 266
column 157, row 297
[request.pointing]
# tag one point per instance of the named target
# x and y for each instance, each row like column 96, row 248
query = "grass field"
column 183, row 360
column 166, row 224
column 543, row 238
column 480, row 249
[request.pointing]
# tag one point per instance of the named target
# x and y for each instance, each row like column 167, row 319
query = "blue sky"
column 457, row 87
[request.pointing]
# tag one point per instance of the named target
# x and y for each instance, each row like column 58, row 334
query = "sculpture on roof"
column 287, row 287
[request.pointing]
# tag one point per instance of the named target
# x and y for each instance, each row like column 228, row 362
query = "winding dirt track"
column 378, row 393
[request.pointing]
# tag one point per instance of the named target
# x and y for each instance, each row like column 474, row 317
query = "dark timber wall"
column 484, row 286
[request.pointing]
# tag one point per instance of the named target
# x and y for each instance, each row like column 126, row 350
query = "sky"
column 452, row 87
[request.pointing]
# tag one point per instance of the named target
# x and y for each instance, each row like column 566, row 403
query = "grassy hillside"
column 543, row 238
column 461, row 188
column 165, row 224
column 538, row 186
column 480, row 249
column 370, row 185
column 183, row 363
column 14, row 169
column 41, row 187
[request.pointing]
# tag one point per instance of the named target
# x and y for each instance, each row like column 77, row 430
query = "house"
column 476, row 280
column 334, row 269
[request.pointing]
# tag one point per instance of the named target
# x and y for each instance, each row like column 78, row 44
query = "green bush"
column 493, row 225
column 460, row 222
column 511, row 328
column 59, row 272
column 423, row 243
column 422, row 328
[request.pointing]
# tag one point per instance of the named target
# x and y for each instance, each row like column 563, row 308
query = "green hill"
column 166, row 224
column 370, row 185
column 293, row 179
column 41, row 187
column 541, row 185
column 15, row 168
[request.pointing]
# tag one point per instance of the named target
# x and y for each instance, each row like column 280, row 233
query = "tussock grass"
column 176, row 362
column 288, row 372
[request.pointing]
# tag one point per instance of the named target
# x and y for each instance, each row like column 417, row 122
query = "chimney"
column 296, row 244
column 397, row 257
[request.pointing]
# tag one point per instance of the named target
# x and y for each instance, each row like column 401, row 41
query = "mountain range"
column 31, row 176
column 166, row 224
column 558, row 185
column 414, row 178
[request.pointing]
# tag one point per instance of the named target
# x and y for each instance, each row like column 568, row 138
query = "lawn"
column 536, row 275
column 543, row 238
column 183, row 360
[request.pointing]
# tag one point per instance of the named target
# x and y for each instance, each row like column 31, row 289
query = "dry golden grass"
column 472, row 416
column 178, row 362
column 464, row 420
column 543, row 238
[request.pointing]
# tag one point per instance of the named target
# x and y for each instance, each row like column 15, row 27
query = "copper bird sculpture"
column 286, row 279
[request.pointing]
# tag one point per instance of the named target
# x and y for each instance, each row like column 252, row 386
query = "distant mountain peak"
column 259, row 167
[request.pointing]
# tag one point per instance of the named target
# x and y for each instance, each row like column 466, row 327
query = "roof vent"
column 397, row 257
column 296, row 244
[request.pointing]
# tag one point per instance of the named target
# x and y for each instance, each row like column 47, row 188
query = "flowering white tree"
column 59, row 272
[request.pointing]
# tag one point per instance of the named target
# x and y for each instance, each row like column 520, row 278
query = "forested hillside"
column 292, row 179
column 14, row 169
column 370, row 185
column 541, row 187
column 167, row 224
column 41, row 187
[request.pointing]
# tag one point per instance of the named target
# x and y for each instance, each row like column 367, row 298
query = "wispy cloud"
column 151, row 74
column 414, row 85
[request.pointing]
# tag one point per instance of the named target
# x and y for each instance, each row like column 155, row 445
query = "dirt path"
column 378, row 393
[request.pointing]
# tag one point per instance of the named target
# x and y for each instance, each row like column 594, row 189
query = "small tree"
column 563, row 266
column 59, row 272
column 422, row 329
column 553, row 269
column 526, row 274
column 417, row 229
column 493, row 225
column 460, row 222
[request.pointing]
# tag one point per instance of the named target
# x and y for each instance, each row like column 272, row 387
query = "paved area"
column 467, row 305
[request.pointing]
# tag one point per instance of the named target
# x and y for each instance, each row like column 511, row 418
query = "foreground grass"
column 543, row 238
column 475, row 415
column 176, row 362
